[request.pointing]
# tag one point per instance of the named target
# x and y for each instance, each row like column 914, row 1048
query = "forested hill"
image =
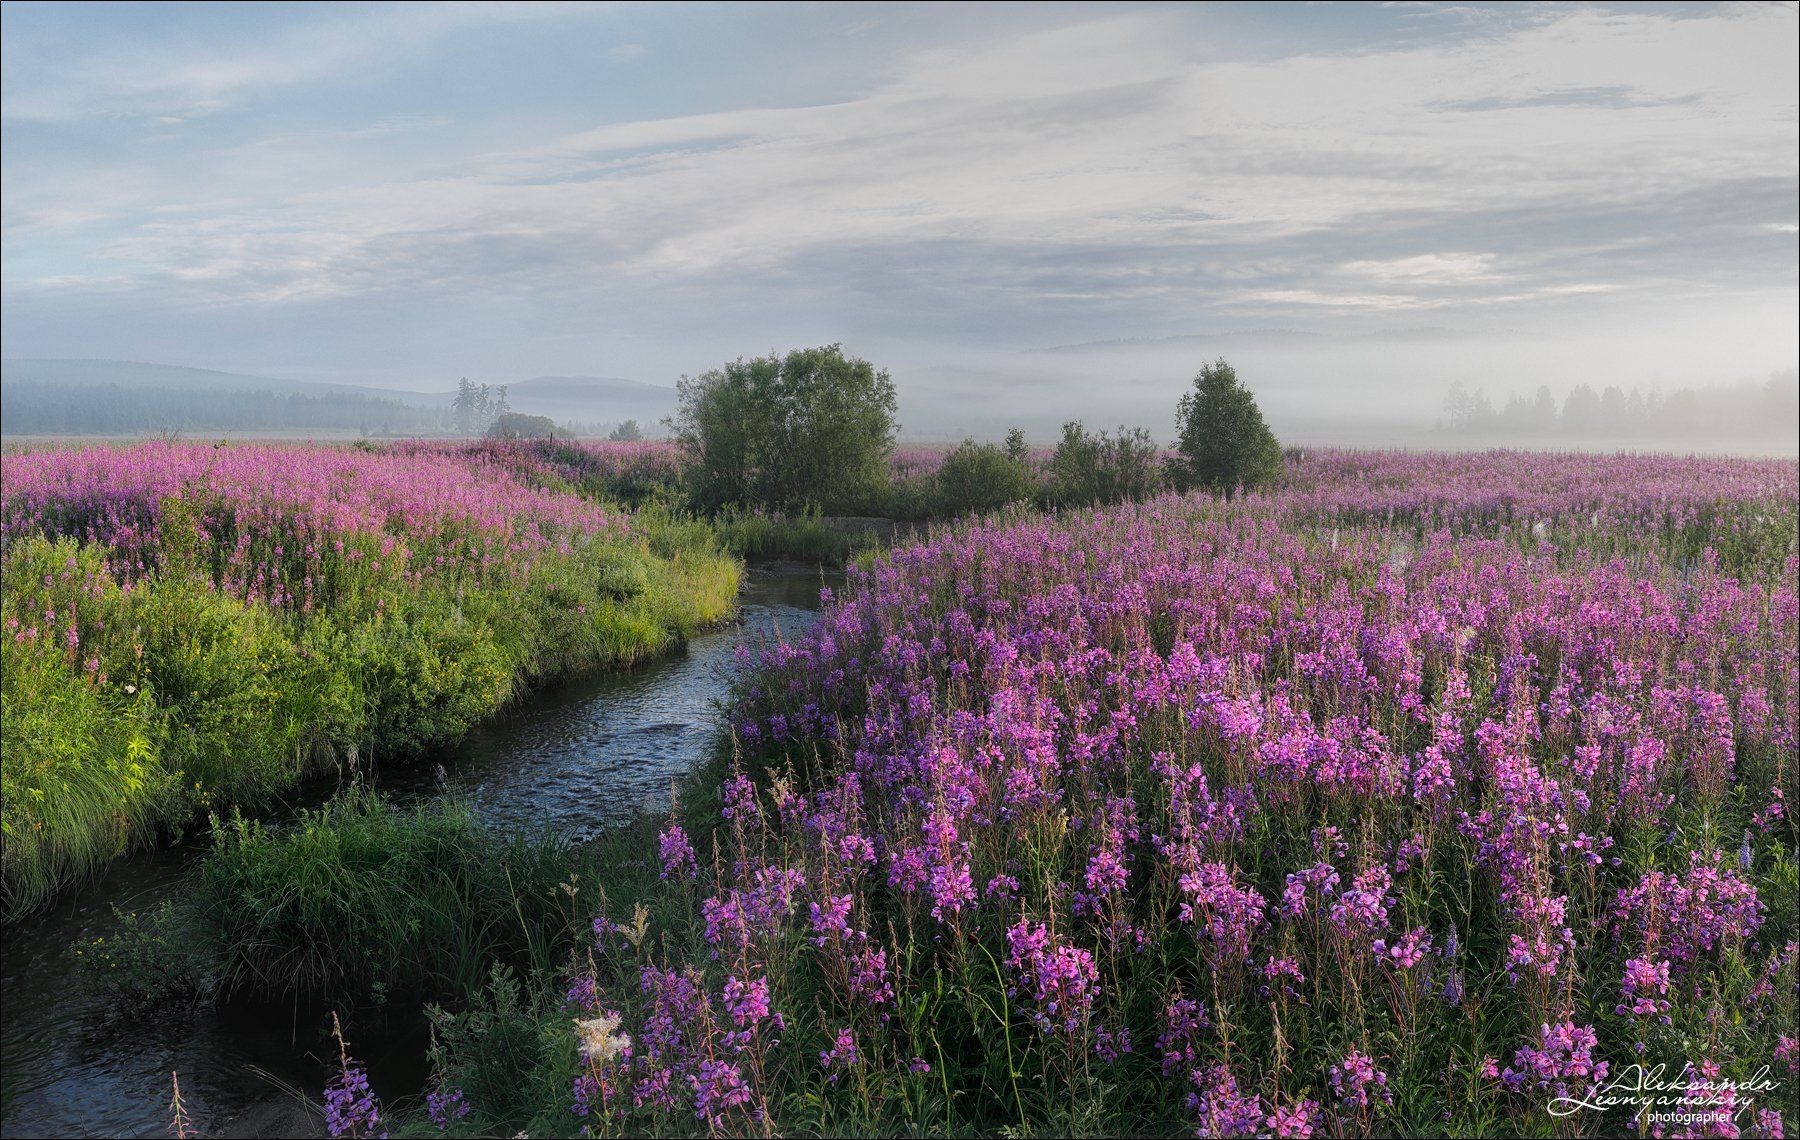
column 92, row 397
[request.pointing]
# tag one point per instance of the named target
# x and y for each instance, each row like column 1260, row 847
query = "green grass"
column 82, row 782
column 805, row 537
column 361, row 897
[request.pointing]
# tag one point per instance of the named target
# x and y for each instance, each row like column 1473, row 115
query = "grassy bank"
column 189, row 627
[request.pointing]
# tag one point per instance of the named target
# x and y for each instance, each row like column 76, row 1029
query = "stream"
column 583, row 755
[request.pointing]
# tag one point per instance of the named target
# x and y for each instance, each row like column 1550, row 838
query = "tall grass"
column 360, row 895
column 806, row 536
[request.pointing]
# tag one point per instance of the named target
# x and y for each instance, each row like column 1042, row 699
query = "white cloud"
column 1429, row 268
column 1103, row 158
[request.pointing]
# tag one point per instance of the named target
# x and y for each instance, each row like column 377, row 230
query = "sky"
column 1357, row 204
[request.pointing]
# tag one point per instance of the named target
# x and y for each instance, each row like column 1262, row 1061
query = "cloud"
column 1101, row 178
column 170, row 81
column 1429, row 268
column 1615, row 98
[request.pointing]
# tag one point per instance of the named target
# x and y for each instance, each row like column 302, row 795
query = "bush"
column 803, row 536
column 1095, row 467
column 1223, row 444
column 518, row 425
column 982, row 477
column 242, row 704
column 811, row 429
column 147, row 960
column 497, row 1049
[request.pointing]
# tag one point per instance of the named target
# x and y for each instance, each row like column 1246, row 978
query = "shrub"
column 518, row 425
column 1223, row 443
column 981, row 477
column 147, row 960
column 1096, row 467
column 803, row 536
column 811, row 429
column 495, row 1049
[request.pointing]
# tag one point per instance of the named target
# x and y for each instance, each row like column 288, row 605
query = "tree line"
column 814, row 430
column 1769, row 408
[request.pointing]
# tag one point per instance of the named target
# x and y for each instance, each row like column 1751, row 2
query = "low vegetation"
column 1347, row 794
column 189, row 626
column 360, row 898
column 1402, row 799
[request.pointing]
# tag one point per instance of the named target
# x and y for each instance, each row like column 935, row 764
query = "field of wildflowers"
column 187, row 625
column 1426, row 795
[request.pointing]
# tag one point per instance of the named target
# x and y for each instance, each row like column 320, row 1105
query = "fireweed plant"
column 191, row 625
column 1405, row 799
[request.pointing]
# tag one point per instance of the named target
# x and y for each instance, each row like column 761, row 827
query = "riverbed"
column 583, row 756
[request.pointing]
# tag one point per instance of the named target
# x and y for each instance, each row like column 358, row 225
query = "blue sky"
column 401, row 194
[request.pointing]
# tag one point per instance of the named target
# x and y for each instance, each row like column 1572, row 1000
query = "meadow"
column 1420, row 795
column 1416, row 794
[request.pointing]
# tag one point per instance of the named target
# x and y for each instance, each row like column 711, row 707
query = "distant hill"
column 118, row 397
column 123, row 397
column 99, row 373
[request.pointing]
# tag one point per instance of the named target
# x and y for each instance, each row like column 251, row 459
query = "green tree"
column 627, row 432
column 1223, row 442
column 477, row 407
column 466, row 407
column 811, row 429
column 1016, row 447
column 982, row 477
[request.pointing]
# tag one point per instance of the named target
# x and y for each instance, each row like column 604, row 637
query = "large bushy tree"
column 1223, row 442
column 812, row 429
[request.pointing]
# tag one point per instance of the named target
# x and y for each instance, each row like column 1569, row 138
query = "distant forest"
column 1765, row 412
column 38, row 408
